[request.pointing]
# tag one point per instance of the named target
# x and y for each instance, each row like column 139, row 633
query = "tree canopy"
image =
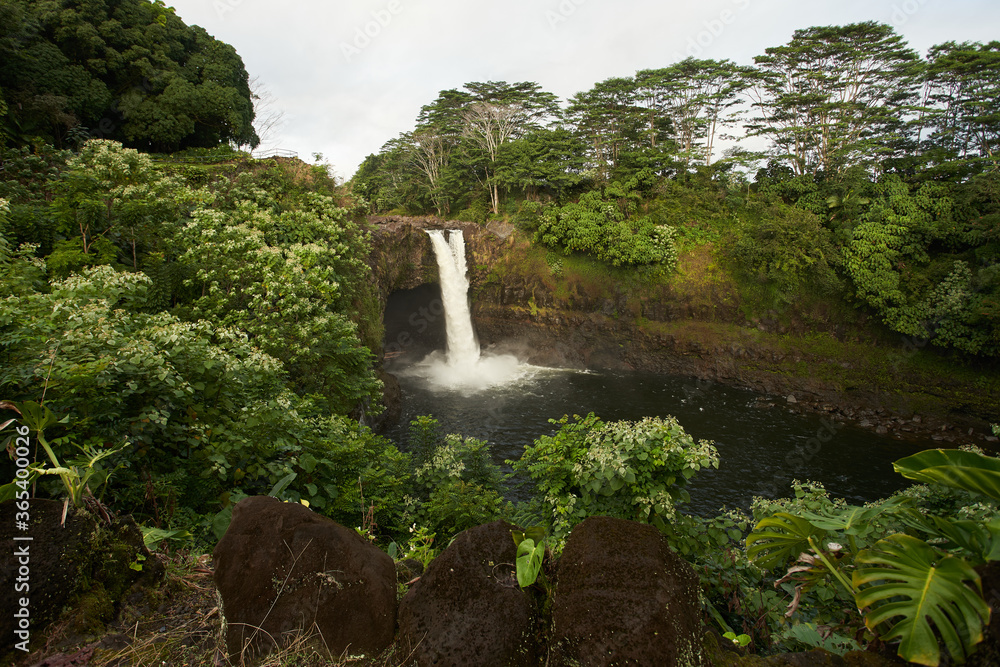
column 127, row 70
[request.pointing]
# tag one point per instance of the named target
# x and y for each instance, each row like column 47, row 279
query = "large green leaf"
column 955, row 468
column 529, row 561
column 35, row 416
column 852, row 520
column 909, row 586
column 779, row 539
column 981, row 540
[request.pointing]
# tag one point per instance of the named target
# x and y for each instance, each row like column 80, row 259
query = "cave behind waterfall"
column 414, row 326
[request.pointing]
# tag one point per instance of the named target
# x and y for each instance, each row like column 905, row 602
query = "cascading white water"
column 463, row 350
column 462, row 368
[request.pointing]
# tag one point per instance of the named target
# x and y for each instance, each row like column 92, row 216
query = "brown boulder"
column 988, row 651
column 85, row 563
column 467, row 608
column 624, row 597
column 281, row 568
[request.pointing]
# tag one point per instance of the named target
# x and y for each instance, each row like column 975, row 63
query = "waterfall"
column 462, row 368
column 463, row 349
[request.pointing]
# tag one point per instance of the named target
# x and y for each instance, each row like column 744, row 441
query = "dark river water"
column 762, row 445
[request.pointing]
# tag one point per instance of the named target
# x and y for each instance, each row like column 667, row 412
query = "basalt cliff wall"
column 551, row 310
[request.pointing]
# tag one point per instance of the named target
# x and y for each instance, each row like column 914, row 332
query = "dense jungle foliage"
column 876, row 180
column 178, row 336
column 128, row 70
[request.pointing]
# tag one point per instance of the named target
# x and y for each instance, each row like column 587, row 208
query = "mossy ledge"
column 699, row 322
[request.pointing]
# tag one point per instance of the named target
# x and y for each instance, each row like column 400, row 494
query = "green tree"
column 130, row 71
column 609, row 118
column 546, row 160
column 457, row 145
column 694, row 99
column 498, row 114
column 835, row 96
column 964, row 117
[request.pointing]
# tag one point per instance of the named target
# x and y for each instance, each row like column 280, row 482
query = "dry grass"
column 179, row 624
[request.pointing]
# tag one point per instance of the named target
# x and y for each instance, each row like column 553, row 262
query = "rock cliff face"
column 401, row 257
column 552, row 310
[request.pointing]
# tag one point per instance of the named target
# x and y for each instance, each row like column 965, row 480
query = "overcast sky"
column 349, row 76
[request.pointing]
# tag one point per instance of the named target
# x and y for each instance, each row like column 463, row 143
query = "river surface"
column 762, row 444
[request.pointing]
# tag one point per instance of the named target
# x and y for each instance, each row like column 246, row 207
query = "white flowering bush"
column 455, row 484
column 113, row 204
column 630, row 470
column 205, row 411
column 284, row 280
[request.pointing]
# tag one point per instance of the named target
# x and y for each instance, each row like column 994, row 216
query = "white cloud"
column 347, row 108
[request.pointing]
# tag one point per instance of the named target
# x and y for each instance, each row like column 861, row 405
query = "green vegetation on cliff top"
column 199, row 333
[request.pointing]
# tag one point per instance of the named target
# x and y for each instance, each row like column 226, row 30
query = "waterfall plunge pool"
column 762, row 445
column 432, row 349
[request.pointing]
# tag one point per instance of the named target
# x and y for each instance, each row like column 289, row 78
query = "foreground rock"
column 85, row 563
column 623, row 597
column 282, row 568
column 467, row 608
column 988, row 651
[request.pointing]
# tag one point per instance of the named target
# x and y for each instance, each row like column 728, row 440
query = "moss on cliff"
column 701, row 320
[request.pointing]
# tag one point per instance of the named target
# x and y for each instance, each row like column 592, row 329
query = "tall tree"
column 964, row 90
column 695, row 98
column 546, row 160
column 129, row 70
column 613, row 123
column 426, row 153
column 835, row 96
column 501, row 113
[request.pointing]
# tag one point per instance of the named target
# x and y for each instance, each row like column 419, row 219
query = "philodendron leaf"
column 852, row 520
column 955, row 468
column 529, row 561
column 779, row 539
column 35, row 416
column 979, row 539
column 993, row 549
column 915, row 590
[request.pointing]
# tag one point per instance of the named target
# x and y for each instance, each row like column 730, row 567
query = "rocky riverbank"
column 559, row 311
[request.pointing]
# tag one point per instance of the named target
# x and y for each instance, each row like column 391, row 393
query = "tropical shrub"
column 921, row 592
column 925, row 270
column 116, row 195
column 631, row 470
column 606, row 227
column 455, row 484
